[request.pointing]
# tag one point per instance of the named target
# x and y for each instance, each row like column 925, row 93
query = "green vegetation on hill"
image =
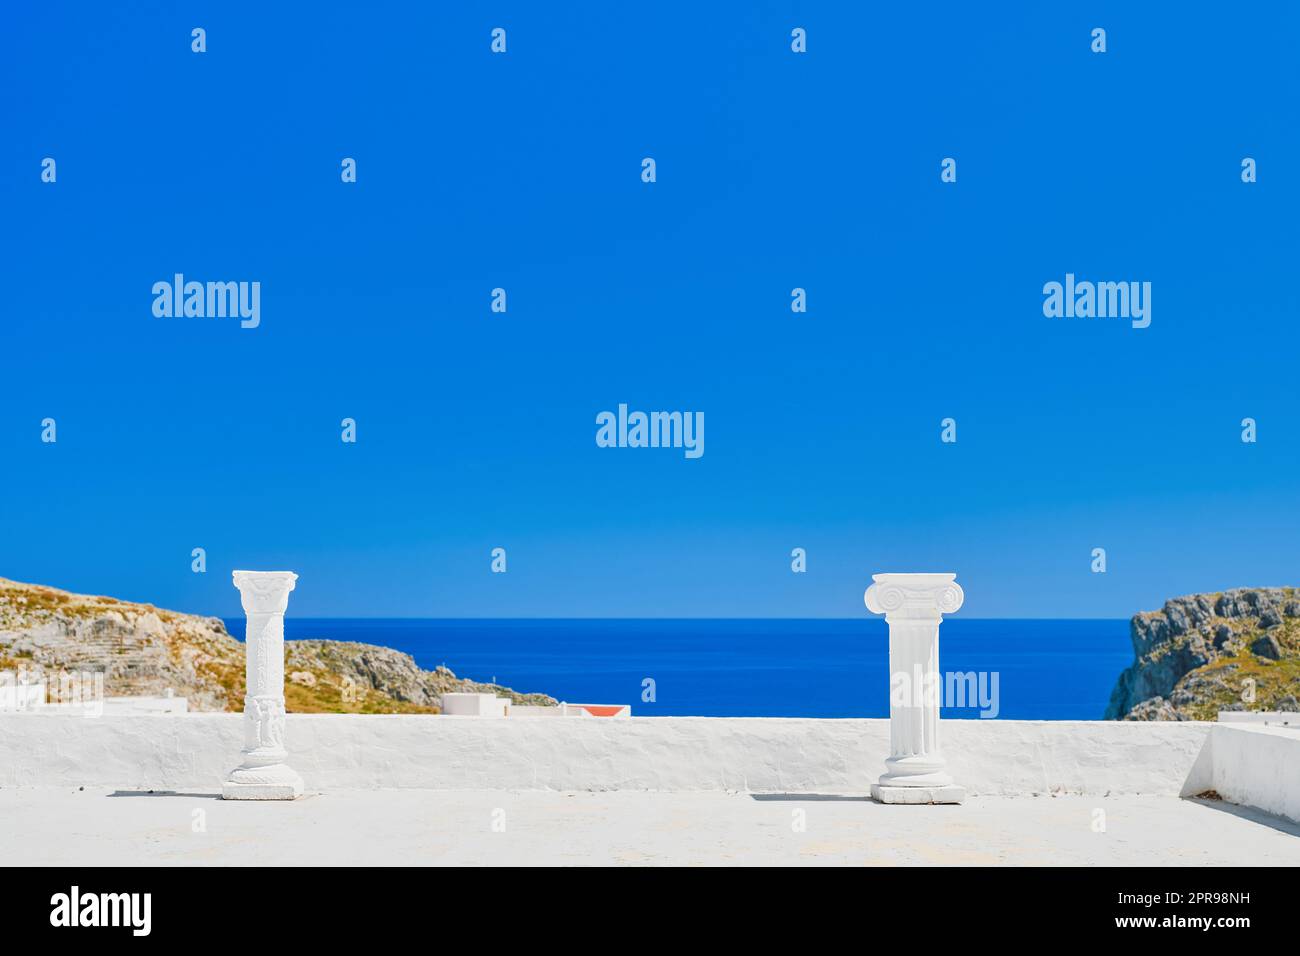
column 1200, row 654
column 145, row 651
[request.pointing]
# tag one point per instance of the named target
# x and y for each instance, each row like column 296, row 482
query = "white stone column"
column 913, row 605
column 263, row 774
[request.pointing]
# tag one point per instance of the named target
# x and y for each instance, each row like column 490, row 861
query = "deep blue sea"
column 1057, row 670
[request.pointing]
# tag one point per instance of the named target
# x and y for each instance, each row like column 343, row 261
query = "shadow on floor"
column 811, row 797
column 165, row 793
column 1281, row 824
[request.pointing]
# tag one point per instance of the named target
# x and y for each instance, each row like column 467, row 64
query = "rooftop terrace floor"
column 98, row 826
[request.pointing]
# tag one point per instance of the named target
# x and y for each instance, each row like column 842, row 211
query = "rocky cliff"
column 1205, row 653
column 144, row 651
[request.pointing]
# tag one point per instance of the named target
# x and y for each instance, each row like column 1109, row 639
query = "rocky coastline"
column 1203, row 653
column 146, row 651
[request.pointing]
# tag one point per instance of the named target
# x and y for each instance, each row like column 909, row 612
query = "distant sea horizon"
column 1047, row 669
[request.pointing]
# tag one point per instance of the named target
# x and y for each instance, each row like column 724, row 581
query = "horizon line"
column 308, row 617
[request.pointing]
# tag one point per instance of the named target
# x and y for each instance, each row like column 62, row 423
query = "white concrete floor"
column 414, row 827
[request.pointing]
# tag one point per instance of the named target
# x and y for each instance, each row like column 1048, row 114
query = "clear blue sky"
column 775, row 170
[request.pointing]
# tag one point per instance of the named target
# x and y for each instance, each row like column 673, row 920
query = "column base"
column 950, row 793
column 916, row 770
column 262, row 783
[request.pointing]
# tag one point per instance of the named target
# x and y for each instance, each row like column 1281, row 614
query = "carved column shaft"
column 914, row 605
column 263, row 773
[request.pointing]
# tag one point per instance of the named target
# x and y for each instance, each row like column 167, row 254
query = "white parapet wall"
column 1274, row 718
column 1257, row 766
column 475, row 705
column 795, row 755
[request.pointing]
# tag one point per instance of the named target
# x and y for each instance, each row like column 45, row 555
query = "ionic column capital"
column 264, row 592
column 914, row 597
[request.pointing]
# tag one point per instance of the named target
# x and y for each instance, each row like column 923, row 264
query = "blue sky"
column 775, row 170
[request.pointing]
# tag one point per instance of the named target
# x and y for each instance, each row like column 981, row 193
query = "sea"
column 1023, row 669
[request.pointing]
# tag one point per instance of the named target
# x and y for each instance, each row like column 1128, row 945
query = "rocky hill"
column 144, row 651
column 1204, row 653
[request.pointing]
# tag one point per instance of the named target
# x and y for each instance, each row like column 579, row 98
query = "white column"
column 913, row 605
column 263, row 774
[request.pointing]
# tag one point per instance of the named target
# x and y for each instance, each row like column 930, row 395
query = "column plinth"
column 262, row 773
column 914, row 605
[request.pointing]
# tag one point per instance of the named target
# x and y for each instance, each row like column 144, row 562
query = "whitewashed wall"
column 1257, row 766
column 333, row 751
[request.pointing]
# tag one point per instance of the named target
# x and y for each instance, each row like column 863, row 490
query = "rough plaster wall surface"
column 1258, row 767
column 796, row 755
